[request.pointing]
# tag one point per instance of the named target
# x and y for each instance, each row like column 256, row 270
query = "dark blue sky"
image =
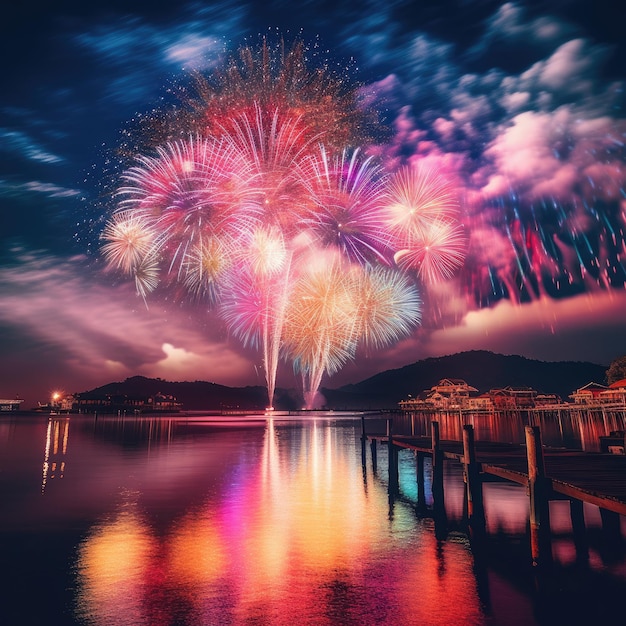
column 520, row 103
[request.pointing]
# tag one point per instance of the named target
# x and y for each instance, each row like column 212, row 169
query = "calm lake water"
column 195, row 520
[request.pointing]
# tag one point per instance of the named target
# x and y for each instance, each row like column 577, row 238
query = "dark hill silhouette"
column 481, row 369
column 198, row 395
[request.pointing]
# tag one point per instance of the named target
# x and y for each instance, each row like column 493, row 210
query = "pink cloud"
column 94, row 333
column 569, row 68
column 570, row 329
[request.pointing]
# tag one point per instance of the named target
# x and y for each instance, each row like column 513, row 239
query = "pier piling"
column 473, row 482
column 392, row 454
column 541, row 548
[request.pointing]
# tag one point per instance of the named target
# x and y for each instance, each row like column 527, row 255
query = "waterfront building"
column 59, row 403
column 10, row 405
column 616, row 393
column 588, row 394
column 547, row 399
column 513, row 397
column 594, row 394
column 90, row 402
column 483, row 402
column 448, row 393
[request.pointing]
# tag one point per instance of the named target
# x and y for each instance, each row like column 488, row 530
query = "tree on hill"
column 617, row 370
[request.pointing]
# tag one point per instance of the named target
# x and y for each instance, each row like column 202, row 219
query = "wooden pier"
column 548, row 474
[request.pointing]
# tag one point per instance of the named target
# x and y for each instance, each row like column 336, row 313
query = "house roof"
column 592, row 387
column 618, row 384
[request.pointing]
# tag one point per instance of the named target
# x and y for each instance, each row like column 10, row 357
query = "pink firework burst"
column 189, row 189
column 273, row 147
column 347, row 211
column 253, row 307
column 416, row 197
column 437, row 252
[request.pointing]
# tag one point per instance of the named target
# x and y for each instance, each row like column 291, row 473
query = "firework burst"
column 273, row 150
column 388, row 306
column 128, row 239
column 347, row 210
column 254, row 201
column 276, row 78
column 188, row 189
column 207, row 264
column 415, row 198
column 437, row 252
column 319, row 322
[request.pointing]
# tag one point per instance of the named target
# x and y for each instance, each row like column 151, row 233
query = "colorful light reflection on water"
column 296, row 536
column 259, row 521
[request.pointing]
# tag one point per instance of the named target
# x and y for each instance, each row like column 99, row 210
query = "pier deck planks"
column 596, row 478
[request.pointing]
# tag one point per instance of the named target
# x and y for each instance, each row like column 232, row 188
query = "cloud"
column 15, row 141
column 139, row 54
column 570, row 72
column 582, row 328
column 550, row 154
column 512, row 34
column 195, row 51
column 91, row 331
column 510, row 21
column 51, row 190
column 185, row 364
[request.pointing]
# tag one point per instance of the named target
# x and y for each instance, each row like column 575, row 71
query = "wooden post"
column 374, row 455
column 392, row 455
column 437, row 486
column 363, row 442
column 613, row 548
column 579, row 530
column 439, row 509
column 434, row 438
column 541, row 549
column 473, row 483
column 421, row 492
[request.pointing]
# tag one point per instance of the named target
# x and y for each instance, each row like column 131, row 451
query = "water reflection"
column 115, row 567
column 295, row 537
column 575, row 428
column 265, row 520
column 57, row 435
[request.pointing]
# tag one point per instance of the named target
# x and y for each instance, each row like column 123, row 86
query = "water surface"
column 258, row 520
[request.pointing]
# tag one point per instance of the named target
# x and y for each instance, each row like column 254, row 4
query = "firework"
column 415, row 198
column 388, row 306
column 270, row 78
column 274, row 150
column 523, row 252
column 320, row 321
column 190, row 188
column 347, row 209
column 253, row 307
column 254, row 201
column 206, row 265
column 436, row 253
column 129, row 241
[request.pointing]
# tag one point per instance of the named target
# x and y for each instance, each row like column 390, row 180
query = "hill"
column 481, row 369
column 197, row 395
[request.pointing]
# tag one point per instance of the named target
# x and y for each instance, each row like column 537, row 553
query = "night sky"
column 520, row 105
